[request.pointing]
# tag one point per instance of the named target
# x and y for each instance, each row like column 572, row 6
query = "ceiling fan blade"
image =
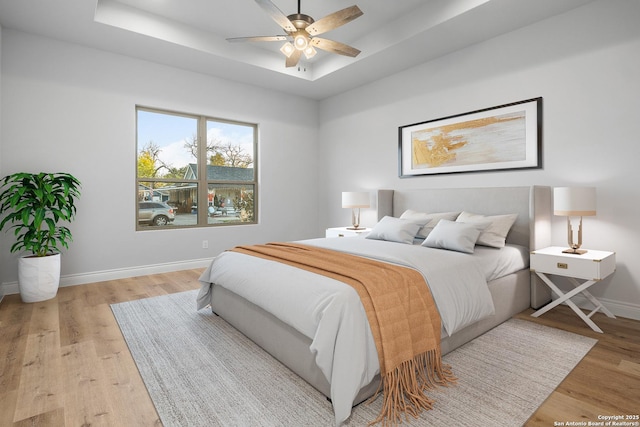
column 277, row 15
column 257, row 39
column 292, row 60
column 334, row 20
column 335, row 47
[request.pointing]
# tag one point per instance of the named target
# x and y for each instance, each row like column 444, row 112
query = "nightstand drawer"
column 594, row 265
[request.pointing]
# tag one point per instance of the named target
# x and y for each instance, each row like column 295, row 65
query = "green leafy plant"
column 34, row 205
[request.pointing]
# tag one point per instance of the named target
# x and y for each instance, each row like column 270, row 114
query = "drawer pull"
column 563, row 265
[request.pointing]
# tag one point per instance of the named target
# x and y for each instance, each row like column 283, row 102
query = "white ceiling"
column 190, row 34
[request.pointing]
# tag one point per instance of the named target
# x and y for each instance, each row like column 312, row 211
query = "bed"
column 234, row 288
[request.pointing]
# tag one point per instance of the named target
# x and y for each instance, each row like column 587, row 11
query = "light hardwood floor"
column 64, row 362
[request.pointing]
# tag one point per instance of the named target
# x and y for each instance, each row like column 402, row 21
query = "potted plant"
column 34, row 205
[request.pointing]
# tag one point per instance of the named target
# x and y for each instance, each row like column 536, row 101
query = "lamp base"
column 575, row 247
column 575, row 251
column 354, row 228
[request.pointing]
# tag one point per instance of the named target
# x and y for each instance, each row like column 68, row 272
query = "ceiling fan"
column 302, row 30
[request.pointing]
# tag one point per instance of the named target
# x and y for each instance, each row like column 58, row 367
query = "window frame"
column 202, row 182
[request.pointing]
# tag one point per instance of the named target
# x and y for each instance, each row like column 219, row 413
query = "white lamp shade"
column 574, row 201
column 355, row 199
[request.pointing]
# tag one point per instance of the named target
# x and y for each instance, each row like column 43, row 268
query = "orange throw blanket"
column 402, row 315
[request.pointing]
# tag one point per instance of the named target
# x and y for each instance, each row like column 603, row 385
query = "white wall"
column 585, row 64
column 69, row 108
column 1, row 174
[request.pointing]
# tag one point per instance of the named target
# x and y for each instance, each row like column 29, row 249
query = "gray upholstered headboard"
column 532, row 204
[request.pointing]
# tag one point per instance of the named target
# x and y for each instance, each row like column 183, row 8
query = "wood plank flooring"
column 64, row 362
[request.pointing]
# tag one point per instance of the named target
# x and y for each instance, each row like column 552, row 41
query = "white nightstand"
column 345, row 232
column 592, row 266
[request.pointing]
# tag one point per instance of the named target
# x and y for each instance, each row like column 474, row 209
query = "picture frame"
column 499, row 138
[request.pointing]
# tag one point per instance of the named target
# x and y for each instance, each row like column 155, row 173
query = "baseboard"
column 9, row 288
column 618, row 308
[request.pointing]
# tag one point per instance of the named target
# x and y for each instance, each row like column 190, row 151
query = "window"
column 194, row 170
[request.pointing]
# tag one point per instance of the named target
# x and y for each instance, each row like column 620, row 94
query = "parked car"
column 155, row 213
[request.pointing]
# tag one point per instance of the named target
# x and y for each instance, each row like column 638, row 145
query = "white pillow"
column 495, row 234
column 455, row 236
column 427, row 220
column 394, row 230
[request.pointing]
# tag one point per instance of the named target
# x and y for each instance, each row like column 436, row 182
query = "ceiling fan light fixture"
column 301, row 41
column 287, row 49
column 310, row 52
column 302, row 31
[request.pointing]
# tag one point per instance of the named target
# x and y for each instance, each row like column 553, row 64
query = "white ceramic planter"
column 38, row 277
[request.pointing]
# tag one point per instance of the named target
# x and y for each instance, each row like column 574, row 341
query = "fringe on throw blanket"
column 403, row 388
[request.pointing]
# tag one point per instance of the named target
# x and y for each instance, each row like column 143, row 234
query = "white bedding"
column 500, row 262
column 330, row 313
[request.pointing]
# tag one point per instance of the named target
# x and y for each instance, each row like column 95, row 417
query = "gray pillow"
column 394, row 230
column 427, row 220
column 455, row 236
column 495, row 235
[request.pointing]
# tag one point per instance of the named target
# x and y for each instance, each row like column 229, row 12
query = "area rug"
column 201, row 371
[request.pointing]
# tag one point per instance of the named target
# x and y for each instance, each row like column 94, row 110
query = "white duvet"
column 330, row 313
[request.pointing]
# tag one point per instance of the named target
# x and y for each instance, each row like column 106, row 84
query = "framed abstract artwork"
column 499, row 138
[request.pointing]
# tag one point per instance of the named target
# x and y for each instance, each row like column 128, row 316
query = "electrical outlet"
column 205, row 244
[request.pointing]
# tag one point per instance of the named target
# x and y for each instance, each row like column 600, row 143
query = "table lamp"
column 355, row 200
column 574, row 201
